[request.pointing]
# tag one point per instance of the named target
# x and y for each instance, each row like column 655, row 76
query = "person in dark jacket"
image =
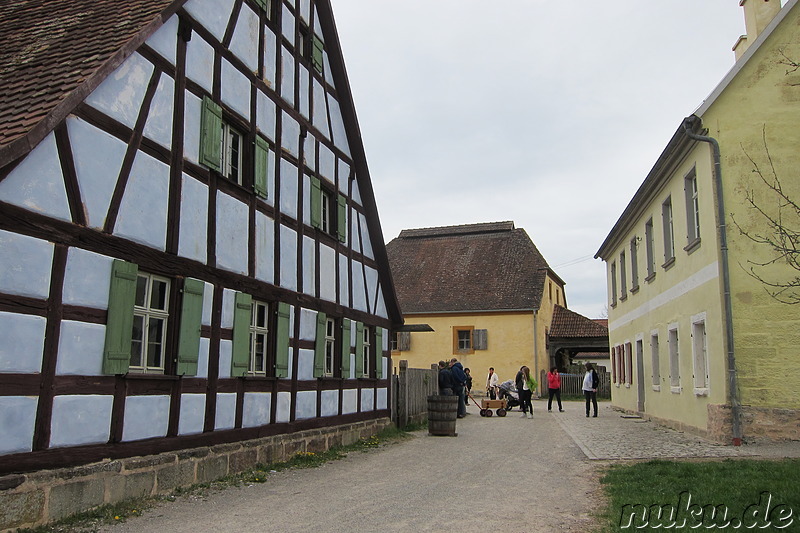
column 590, row 384
column 446, row 382
column 461, row 382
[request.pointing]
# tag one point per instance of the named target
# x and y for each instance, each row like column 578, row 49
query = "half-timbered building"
column 190, row 248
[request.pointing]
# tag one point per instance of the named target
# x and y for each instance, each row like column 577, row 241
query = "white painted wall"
column 80, row 419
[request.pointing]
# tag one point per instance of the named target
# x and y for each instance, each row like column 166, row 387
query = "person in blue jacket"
column 461, row 382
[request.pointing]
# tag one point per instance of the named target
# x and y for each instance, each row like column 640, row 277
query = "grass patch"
column 708, row 495
column 91, row 521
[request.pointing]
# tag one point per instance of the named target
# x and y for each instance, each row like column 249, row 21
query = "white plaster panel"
column 225, row 358
column 17, row 422
column 121, row 94
column 193, row 414
column 326, row 66
column 80, row 349
column 309, row 266
column 317, row 27
column 193, row 237
column 287, row 27
column 349, row 401
column 270, row 57
column 244, row 43
column 356, row 193
column 86, row 279
column 337, row 126
column 232, row 236
column 320, row 111
column 191, row 128
column 380, row 310
column 372, row 286
column 290, row 134
column 344, row 281
column 307, row 199
column 81, row 419
column 289, row 188
column 37, row 183
column 305, row 10
column 145, row 417
column 165, row 40
column 98, row 159
column 208, row 301
column 212, row 14
column 330, row 403
column 26, row 265
column 366, row 243
column 158, row 126
column 306, row 405
column 228, row 301
column 200, row 62
column 287, row 76
column 355, row 236
column 308, row 325
column 284, row 406
column 344, row 178
column 235, row 90
column 303, row 81
column 359, row 292
column 265, row 115
column 327, row 273
column 288, row 273
column 367, row 400
column 256, row 409
column 22, row 343
column 265, row 248
column 305, row 364
column 202, row 360
column 382, row 397
column 226, row 411
column 327, row 164
column 310, row 152
column 143, row 213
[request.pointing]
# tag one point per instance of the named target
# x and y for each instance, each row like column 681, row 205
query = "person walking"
column 491, row 384
column 446, row 382
column 469, row 380
column 528, row 385
column 590, row 382
column 460, row 379
column 554, row 389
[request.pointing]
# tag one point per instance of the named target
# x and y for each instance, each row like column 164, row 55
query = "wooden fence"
column 410, row 390
column 572, row 384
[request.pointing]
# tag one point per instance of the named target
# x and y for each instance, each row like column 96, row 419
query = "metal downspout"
column 733, row 389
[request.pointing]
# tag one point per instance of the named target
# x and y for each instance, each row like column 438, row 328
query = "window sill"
column 136, row 374
column 613, row 304
column 623, row 297
column 656, row 388
column 616, row 385
column 650, row 277
column 635, row 289
column 692, row 246
column 676, row 390
column 669, row 263
column 627, row 385
column 701, row 391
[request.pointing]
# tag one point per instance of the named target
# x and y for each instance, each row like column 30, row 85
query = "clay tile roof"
column 475, row 267
column 568, row 323
column 50, row 47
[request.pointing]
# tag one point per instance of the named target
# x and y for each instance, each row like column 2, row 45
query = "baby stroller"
column 509, row 391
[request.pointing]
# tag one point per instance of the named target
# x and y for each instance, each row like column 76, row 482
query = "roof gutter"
column 691, row 123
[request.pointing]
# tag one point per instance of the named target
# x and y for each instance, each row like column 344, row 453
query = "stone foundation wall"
column 36, row 498
column 758, row 423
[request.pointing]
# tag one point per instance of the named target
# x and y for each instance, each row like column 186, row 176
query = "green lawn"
column 729, row 495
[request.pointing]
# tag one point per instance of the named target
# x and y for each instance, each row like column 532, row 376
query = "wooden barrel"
column 442, row 411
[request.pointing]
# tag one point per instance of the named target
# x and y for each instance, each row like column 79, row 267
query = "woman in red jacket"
column 554, row 388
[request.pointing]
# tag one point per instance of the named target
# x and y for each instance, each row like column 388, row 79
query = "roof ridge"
column 463, row 229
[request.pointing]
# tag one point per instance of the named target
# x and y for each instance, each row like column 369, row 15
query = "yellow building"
column 484, row 289
column 701, row 337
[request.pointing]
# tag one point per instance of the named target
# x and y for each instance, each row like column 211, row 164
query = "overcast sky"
column 546, row 113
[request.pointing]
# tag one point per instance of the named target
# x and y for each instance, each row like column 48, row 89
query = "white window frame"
column 700, row 355
column 330, row 346
column 674, row 359
column 634, row 264
column 669, row 230
column 628, row 351
column 146, row 312
column 366, row 353
column 655, row 360
column 692, row 209
column 649, row 240
column 623, row 281
column 259, row 331
column 231, row 155
column 613, row 269
column 326, row 212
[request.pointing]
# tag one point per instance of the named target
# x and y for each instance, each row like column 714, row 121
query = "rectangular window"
column 654, row 360
column 669, row 236
column 368, row 353
column 462, row 340
column 649, row 243
column 326, row 213
column 613, row 284
column 700, row 357
column 674, row 360
column 628, row 363
column 692, row 208
column 621, row 364
column 231, row 154
column 150, row 315
column 259, row 338
column 623, row 277
column 330, row 346
column 613, row 365
column 634, row 265
column 266, row 6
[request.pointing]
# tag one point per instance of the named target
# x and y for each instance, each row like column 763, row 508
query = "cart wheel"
column 483, row 412
column 501, row 412
column 489, row 413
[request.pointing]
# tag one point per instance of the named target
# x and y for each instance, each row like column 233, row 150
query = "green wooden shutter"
column 242, row 317
column 282, row 342
column 211, row 134
column 379, row 353
column 316, row 203
column 345, row 348
column 341, row 219
column 261, row 165
column 119, row 323
column 359, row 349
column 316, row 53
column 189, row 333
column 319, row 350
column 262, row 4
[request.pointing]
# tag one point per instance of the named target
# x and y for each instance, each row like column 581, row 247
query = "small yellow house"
column 484, row 289
column 701, row 336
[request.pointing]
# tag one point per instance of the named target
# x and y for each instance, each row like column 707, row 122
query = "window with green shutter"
column 321, row 348
column 189, row 332
column 242, row 312
column 345, row 348
column 317, row 48
column 316, row 203
column 261, row 167
column 379, row 353
column 282, row 341
column 359, row 349
column 211, row 134
column 119, row 324
column 341, row 219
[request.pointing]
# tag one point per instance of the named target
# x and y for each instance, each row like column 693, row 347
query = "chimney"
column 757, row 15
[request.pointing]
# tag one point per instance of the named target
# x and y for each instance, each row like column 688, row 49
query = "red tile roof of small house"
column 476, row 267
column 568, row 323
